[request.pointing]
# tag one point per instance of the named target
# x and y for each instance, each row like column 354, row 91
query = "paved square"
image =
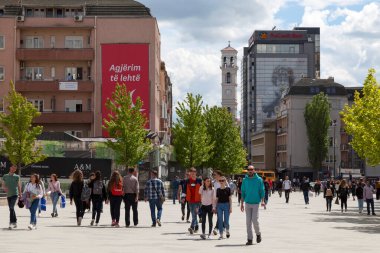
column 285, row 228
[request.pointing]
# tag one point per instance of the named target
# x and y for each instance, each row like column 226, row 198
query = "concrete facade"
column 264, row 148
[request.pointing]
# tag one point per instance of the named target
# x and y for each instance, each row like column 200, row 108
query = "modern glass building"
column 273, row 61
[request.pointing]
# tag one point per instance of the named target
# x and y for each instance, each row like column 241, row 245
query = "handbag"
column 161, row 197
column 63, row 201
column 43, row 204
column 20, row 203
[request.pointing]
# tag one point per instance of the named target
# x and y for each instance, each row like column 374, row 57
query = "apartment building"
column 66, row 57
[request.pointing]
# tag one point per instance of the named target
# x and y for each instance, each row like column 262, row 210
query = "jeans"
column 79, row 207
column 223, row 210
column 115, row 203
column 130, row 201
column 328, row 203
column 287, row 195
column 11, row 204
column 378, row 194
column 33, row 209
column 207, row 212
column 97, row 201
column 360, row 204
column 54, row 198
column 306, row 196
column 252, row 217
column 343, row 203
column 372, row 204
column 175, row 192
column 183, row 206
column 194, row 209
column 266, row 197
column 153, row 203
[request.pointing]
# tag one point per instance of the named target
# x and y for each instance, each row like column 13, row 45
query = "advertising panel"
column 126, row 64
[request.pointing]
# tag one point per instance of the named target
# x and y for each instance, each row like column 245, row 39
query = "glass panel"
column 1, row 73
column 2, row 42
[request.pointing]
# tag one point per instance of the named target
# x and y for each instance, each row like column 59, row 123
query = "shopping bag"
column 63, row 201
column 43, row 204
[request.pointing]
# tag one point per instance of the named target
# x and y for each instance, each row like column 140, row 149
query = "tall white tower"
column 229, row 79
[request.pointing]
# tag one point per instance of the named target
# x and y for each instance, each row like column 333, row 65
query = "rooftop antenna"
column 274, row 27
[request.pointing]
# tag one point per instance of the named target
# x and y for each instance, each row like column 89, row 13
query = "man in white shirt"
column 287, row 186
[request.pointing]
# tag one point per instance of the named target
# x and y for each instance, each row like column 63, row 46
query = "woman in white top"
column 33, row 192
column 208, row 205
column 55, row 191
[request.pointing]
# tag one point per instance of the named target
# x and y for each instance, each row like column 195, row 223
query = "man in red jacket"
column 193, row 198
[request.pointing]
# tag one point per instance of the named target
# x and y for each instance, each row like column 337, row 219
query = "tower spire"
column 229, row 43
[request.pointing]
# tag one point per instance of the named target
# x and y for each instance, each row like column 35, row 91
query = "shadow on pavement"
column 177, row 233
column 15, row 229
column 368, row 230
column 231, row 245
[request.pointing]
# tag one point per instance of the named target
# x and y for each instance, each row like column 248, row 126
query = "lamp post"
column 333, row 123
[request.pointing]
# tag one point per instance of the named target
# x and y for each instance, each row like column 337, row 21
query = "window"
column 34, row 42
column 228, row 77
column 52, row 72
column 1, row 12
column 29, row 12
column 1, row 105
column 38, row 104
column 59, row 13
column 49, row 13
column 73, row 73
column 73, row 42
column 76, row 133
column 52, row 41
column 73, row 105
column 1, row 73
column 2, row 42
column 34, row 73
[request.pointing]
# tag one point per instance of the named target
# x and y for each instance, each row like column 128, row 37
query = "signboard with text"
column 126, row 64
column 68, row 85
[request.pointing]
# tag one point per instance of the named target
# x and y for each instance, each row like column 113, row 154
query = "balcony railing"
column 65, row 118
column 281, row 148
column 55, row 54
column 54, row 86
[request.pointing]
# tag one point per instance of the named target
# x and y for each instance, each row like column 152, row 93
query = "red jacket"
column 197, row 197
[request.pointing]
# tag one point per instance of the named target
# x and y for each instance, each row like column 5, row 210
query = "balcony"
column 55, row 54
column 54, row 86
column 65, row 118
column 281, row 148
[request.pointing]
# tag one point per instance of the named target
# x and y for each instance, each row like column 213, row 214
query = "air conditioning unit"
column 20, row 18
column 78, row 18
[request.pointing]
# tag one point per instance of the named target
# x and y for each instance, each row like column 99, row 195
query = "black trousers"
column 343, row 202
column 183, row 206
column 11, row 204
column 97, row 201
column 328, row 203
column 130, row 201
column 370, row 202
column 115, row 203
column 79, row 205
column 287, row 195
column 207, row 212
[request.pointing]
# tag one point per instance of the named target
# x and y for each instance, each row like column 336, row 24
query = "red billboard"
column 125, row 64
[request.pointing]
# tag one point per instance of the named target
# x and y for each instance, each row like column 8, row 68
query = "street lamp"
column 333, row 123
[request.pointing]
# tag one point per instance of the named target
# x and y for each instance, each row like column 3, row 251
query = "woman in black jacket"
column 76, row 189
column 343, row 194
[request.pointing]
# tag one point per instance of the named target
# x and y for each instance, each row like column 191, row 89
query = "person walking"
column 208, row 206
column 131, row 188
column 175, row 187
column 223, row 207
column 12, row 186
column 182, row 198
column 368, row 192
column 359, row 195
column 239, row 183
column 54, row 188
column 252, row 193
column 317, row 188
column 353, row 189
column 279, row 187
column 98, row 195
column 328, row 194
column 75, row 194
column 343, row 194
column 33, row 192
column 115, row 195
column 287, row 186
column 377, row 185
column 154, row 193
column 217, row 175
column 267, row 190
column 305, row 187
column 193, row 197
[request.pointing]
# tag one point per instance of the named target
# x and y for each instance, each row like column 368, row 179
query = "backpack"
column 117, row 190
column 86, row 193
column 97, row 188
column 329, row 192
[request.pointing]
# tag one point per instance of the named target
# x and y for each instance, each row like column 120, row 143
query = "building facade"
column 272, row 63
column 229, row 70
column 66, row 57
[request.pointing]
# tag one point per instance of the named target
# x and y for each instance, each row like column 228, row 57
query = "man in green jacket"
column 252, row 193
column 12, row 186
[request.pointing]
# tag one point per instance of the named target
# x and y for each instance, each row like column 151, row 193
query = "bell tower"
column 229, row 79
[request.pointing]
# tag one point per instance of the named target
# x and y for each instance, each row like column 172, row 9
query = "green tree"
column 19, row 133
column 317, row 119
column 102, row 151
column 228, row 153
column 191, row 142
column 126, row 124
column 53, row 148
column 362, row 120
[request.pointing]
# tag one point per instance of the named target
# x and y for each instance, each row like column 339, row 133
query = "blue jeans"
column 266, row 197
column 175, row 192
column 54, row 198
column 11, row 204
column 153, row 203
column 360, row 203
column 306, row 196
column 33, row 209
column 223, row 210
column 194, row 209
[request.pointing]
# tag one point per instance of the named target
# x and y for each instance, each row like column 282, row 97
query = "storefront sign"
column 68, row 85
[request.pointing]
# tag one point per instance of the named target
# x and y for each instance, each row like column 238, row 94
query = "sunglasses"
column 250, row 170
column 221, row 181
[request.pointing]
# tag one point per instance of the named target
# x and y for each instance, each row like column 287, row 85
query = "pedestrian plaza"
column 285, row 228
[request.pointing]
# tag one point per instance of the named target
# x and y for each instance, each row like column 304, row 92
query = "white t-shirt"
column 287, row 185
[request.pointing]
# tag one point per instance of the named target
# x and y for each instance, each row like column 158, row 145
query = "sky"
column 193, row 33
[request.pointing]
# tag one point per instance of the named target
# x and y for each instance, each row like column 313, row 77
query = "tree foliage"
column 317, row 119
column 228, row 153
column 126, row 124
column 191, row 142
column 362, row 120
column 53, row 148
column 19, row 133
column 102, row 151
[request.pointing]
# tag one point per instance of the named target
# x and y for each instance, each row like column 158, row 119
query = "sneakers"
column 117, row 225
column 80, row 221
column 203, row 236
column 215, row 232
column 249, row 242
column 113, row 223
column 220, row 237
column 228, row 234
column 153, row 225
column 258, row 238
column 191, row 231
column 183, row 217
column 92, row 222
column 159, row 223
column 56, row 215
column 12, row 226
column 196, row 229
column 96, row 224
column 32, row 227
column 52, row 215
